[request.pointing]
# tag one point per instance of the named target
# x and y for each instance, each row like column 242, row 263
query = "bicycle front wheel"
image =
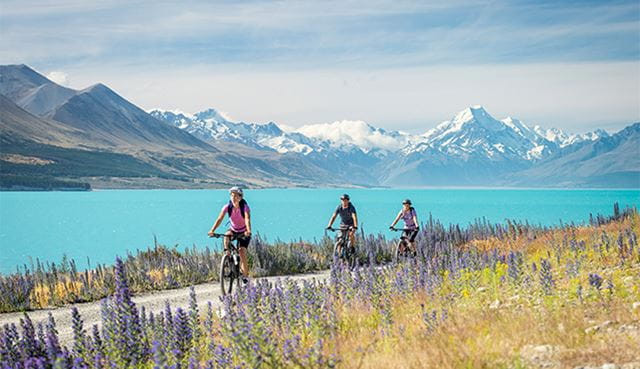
column 227, row 274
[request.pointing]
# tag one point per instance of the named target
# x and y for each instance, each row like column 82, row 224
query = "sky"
column 401, row 65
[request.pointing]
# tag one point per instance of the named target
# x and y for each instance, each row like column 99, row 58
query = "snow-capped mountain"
column 563, row 139
column 471, row 148
column 212, row 125
column 325, row 139
column 475, row 133
column 472, row 132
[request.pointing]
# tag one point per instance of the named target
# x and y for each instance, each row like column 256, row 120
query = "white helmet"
column 236, row 189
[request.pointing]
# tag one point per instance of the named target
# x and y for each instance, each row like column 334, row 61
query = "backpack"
column 230, row 207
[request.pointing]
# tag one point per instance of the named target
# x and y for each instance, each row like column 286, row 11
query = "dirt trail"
column 152, row 301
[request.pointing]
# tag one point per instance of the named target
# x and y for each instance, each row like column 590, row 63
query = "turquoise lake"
column 102, row 224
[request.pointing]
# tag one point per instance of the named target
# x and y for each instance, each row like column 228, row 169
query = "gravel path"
column 152, row 301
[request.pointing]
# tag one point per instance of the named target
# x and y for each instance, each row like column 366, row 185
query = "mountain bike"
column 403, row 252
column 229, row 265
column 342, row 248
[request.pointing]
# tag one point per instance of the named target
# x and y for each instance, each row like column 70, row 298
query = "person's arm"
column 247, row 222
column 217, row 222
column 396, row 220
column 415, row 219
column 355, row 220
column 333, row 218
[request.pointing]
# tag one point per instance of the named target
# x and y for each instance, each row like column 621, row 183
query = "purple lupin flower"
column 53, row 348
column 9, row 352
column 514, row 261
column 28, row 345
column 546, row 277
column 595, row 281
column 97, row 341
column 194, row 320
column 78, row 363
column 159, row 359
column 79, row 334
column 183, row 333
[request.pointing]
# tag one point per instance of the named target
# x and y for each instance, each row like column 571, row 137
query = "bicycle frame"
column 229, row 264
column 343, row 241
column 403, row 252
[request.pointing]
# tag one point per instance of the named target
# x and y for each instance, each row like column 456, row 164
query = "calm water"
column 102, row 224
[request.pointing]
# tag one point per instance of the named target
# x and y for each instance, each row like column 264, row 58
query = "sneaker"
column 245, row 280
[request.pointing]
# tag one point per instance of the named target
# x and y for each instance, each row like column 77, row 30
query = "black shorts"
column 242, row 241
column 410, row 235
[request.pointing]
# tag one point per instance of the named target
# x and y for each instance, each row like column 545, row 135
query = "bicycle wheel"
column 401, row 251
column 351, row 257
column 227, row 274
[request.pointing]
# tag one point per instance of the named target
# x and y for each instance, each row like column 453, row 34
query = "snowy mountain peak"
column 563, row 139
column 213, row 115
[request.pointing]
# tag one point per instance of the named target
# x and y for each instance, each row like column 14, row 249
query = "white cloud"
column 58, row 77
column 352, row 132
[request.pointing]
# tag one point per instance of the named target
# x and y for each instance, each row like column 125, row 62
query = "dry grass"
column 510, row 325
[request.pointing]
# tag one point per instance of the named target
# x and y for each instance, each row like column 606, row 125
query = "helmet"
column 406, row 201
column 344, row 197
column 236, row 189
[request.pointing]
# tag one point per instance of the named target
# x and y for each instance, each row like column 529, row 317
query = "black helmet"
column 406, row 201
column 344, row 197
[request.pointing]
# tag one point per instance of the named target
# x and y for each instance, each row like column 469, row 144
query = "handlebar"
column 403, row 229
column 341, row 229
column 220, row 235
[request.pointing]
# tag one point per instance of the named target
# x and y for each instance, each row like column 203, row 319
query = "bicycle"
column 229, row 265
column 347, row 252
column 403, row 251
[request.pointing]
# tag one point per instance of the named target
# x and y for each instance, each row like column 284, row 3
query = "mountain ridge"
column 472, row 148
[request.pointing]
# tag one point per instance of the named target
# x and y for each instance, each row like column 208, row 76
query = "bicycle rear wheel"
column 227, row 274
column 351, row 257
column 401, row 251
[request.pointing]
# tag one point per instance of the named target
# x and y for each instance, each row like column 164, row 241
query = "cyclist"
column 348, row 218
column 410, row 218
column 240, row 218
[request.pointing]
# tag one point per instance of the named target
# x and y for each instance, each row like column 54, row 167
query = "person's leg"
column 244, row 265
column 226, row 240
column 352, row 237
column 412, row 242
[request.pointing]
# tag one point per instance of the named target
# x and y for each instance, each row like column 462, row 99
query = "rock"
column 560, row 327
column 481, row 289
column 636, row 305
column 609, row 366
column 606, row 324
column 495, row 305
column 592, row 329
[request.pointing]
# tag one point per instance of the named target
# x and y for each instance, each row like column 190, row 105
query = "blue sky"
column 395, row 64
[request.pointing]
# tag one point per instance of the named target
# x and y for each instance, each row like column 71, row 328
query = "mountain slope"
column 17, row 122
column 32, row 91
column 113, row 121
column 97, row 118
column 610, row 161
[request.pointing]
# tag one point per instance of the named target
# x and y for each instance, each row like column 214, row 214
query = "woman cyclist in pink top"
column 410, row 218
column 240, row 218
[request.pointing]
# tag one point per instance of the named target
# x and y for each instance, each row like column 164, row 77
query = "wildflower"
column 595, row 281
column 546, row 277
